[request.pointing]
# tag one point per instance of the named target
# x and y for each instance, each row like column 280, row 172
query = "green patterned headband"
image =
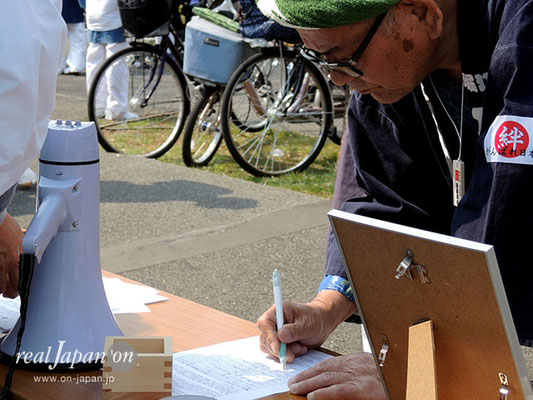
column 323, row 13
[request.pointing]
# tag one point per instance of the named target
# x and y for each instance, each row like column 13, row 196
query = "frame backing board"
column 474, row 334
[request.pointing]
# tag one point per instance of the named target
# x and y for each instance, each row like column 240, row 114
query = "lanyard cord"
column 462, row 119
column 456, row 166
column 446, row 172
column 460, row 130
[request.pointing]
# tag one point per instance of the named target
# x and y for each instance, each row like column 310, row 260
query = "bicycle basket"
column 142, row 18
column 255, row 25
column 212, row 53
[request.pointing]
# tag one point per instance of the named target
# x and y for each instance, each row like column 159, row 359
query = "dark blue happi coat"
column 393, row 165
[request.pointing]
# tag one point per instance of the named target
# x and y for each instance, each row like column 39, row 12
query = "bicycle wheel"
column 138, row 102
column 202, row 135
column 284, row 110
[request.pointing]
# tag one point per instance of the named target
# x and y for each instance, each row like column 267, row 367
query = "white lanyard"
column 456, row 166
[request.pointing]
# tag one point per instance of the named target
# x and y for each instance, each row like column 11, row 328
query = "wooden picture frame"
column 403, row 277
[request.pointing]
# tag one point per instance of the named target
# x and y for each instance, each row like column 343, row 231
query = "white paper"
column 9, row 313
column 123, row 298
column 139, row 293
column 236, row 370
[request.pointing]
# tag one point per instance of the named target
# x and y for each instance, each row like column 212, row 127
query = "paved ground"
column 200, row 235
column 205, row 237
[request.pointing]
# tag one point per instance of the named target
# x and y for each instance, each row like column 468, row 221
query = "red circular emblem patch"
column 512, row 139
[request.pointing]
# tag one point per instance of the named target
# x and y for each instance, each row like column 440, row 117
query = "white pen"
column 276, row 283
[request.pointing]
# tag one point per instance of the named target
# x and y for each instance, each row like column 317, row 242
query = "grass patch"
column 317, row 180
column 138, row 137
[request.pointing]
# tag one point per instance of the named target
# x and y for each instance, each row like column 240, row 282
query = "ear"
column 427, row 12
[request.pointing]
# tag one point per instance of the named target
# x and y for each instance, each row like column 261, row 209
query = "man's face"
column 396, row 60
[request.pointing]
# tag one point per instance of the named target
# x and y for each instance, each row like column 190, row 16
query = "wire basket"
column 145, row 18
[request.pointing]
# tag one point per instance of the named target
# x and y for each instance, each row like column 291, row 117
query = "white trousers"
column 78, row 47
column 112, row 93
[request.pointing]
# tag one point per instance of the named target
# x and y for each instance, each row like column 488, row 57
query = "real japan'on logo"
column 512, row 140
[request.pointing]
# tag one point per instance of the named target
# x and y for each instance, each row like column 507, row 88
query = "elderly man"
column 439, row 139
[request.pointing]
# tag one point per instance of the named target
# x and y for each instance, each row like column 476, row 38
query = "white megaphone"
column 67, row 314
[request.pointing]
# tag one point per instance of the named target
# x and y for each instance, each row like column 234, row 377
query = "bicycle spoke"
column 203, row 136
column 271, row 155
column 282, row 114
column 145, row 93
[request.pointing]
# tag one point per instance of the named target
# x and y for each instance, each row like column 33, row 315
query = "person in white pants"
column 106, row 37
column 73, row 62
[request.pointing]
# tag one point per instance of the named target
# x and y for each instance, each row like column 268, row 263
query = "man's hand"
column 353, row 377
column 306, row 325
column 11, row 237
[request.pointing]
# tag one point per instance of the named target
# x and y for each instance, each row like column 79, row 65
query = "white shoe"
column 28, row 178
column 71, row 71
column 125, row 116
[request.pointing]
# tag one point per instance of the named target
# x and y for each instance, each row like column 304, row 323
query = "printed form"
column 236, row 370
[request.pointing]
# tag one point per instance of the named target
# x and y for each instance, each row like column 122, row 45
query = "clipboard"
column 435, row 312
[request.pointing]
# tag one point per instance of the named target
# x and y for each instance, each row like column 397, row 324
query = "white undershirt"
column 32, row 37
column 102, row 15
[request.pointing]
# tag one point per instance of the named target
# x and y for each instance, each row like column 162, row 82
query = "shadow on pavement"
column 201, row 194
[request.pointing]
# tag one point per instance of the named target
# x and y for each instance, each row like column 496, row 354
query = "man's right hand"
column 306, row 326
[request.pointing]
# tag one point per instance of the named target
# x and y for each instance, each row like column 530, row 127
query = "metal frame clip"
column 407, row 267
column 403, row 268
column 504, row 388
column 384, row 349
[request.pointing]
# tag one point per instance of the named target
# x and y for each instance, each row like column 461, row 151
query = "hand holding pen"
column 305, row 325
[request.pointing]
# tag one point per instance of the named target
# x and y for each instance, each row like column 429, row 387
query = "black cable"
column 26, row 266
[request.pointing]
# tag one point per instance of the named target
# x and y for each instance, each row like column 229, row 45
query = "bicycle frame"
column 167, row 44
column 297, row 79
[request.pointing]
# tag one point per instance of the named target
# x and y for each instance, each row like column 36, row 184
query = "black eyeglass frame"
column 351, row 64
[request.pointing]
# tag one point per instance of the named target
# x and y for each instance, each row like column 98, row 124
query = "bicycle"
column 285, row 109
column 205, row 124
column 157, row 90
column 203, row 131
column 202, row 135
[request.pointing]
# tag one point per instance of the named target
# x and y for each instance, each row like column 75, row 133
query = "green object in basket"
column 217, row 18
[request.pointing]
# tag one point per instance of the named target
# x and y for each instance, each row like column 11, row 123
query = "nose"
column 339, row 78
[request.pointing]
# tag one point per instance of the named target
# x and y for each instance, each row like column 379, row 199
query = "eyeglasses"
column 349, row 67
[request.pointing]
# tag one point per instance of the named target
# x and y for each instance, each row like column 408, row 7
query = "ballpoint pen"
column 276, row 283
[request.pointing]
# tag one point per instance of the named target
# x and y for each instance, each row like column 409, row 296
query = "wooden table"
column 190, row 324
